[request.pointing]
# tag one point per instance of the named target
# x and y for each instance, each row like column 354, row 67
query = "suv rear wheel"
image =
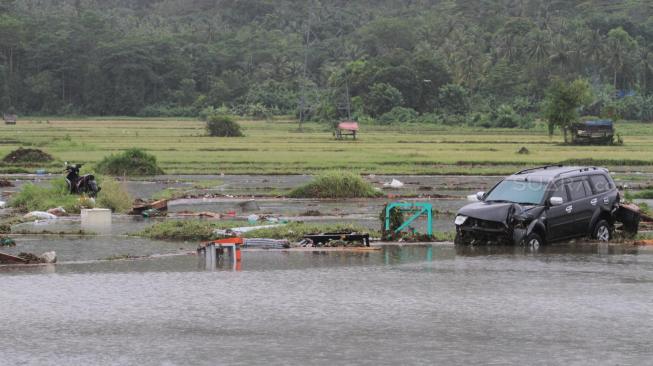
column 602, row 231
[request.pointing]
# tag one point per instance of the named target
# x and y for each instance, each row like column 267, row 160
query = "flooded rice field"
column 116, row 299
column 415, row 304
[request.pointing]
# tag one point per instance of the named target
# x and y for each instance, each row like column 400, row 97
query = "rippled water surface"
column 582, row 304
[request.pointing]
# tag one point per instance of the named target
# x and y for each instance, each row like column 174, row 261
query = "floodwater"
column 580, row 304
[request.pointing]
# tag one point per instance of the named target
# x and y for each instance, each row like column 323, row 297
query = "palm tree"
column 619, row 45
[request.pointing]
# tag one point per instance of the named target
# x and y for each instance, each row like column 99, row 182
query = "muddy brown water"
column 581, row 304
column 418, row 304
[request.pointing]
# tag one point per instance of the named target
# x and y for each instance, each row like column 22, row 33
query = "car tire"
column 533, row 240
column 602, row 231
column 459, row 240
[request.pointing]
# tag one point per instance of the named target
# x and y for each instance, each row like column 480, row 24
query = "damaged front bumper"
column 476, row 231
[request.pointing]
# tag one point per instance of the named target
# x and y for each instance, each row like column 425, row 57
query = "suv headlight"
column 460, row 219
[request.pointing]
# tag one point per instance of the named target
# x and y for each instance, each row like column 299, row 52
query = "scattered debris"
column 40, row 215
column 140, row 206
column 312, row 213
column 253, row 219
column 3, row 204
column 241, row 230
column 27, row 156
column 58, row 211
column 49, row 257
column 11, row 259
column 394, row 184
column 205, row 214
column 324, row 239
column 629, row 215
column 7, row 242
column 523, row 151
column 4, row 183
column 262, row 243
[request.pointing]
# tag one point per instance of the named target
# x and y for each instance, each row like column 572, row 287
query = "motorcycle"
column 85, row 184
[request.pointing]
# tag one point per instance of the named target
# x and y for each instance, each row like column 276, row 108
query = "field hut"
column 10, row 119
column 346, row 128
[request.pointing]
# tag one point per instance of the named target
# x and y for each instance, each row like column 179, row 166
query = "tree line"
column 486, row 62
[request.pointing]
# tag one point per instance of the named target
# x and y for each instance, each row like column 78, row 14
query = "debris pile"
column 149, row 208
column 27, row 156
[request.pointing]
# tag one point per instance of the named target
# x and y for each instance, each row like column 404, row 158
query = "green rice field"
column 277, row 147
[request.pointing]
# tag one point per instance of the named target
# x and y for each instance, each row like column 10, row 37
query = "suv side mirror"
column 556, row 201
column 480, row 196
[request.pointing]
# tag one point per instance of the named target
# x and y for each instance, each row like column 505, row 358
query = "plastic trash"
column 40, row 215
column 3, row 204
column 57, row 211
column 49, row 257
column 394, row 184
column 7, row 242
column 253, row 219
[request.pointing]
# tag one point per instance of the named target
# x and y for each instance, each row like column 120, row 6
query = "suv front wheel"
column 534, row 241
column 602, row 231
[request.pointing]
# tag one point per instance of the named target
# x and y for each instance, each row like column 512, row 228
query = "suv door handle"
column 569, row 208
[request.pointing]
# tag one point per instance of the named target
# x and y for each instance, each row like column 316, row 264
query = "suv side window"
column 600, row 183
column 560, row 191
column 576, row 190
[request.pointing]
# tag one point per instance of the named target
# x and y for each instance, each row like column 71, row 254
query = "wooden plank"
column 10, row 259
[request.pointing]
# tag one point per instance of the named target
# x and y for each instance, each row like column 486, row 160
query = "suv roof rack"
column 544, row 167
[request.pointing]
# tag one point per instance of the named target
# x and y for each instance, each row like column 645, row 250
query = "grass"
column 276, row 147
column 645, row 194
column 336, row 184
column 32, row 197
column 198, row 230
column 187, row 230
column 113, row 196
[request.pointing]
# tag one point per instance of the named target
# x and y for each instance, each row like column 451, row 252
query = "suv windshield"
column 517, row 192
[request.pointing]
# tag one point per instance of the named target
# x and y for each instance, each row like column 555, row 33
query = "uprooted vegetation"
column 133, row 162
column 34, row 197
column 336, row 184
column 203, row 230
column 27, row 157
column 187, row 230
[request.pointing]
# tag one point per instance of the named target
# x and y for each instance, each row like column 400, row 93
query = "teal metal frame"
column 417, row 208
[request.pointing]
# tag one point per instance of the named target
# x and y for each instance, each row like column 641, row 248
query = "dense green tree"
column 563, row 101
column 382, row 98
column 171, row 57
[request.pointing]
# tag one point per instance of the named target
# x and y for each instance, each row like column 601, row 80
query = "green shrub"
column 506, row 117
column 133, row 162
column 113, row 196
column 336, row 184
column 398, row 115
column 222, row 126
column 41, row 198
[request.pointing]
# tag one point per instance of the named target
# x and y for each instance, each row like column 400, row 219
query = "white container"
column 96, row 220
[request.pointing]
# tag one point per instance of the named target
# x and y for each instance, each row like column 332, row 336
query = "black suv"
column 540, row 205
